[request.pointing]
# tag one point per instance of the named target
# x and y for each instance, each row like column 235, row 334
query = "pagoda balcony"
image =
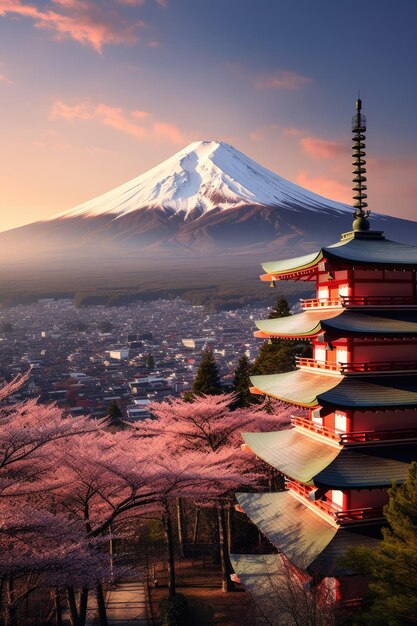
column 359, row 367
column 348, row 302
column 355, row 437
column 339, row 516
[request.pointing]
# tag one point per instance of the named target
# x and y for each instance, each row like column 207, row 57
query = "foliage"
column 392, row 565
column 150, row 362
column 174, row 610
column 242, row 384
column 207, row 380
column 114, row 413
column 278, row 355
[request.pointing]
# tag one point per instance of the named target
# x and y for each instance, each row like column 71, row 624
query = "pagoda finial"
column 361, row 214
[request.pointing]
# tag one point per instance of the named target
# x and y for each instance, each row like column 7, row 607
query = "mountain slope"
column 204, row 176
column 208, row 199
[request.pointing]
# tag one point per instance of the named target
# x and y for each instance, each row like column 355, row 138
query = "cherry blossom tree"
column 207, row 426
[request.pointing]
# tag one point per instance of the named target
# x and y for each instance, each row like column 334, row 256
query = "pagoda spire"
column 361, row 213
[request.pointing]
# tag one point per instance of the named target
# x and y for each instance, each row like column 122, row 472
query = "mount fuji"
column 206, row 200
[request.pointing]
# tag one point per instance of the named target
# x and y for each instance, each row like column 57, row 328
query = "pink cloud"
column 282, row 80
column 322, row 148
column 168, row 131
column 80, row 20
column 264, row 132
column 138, row 124
column 291, row 131
column 327, row 187
column 131, row 3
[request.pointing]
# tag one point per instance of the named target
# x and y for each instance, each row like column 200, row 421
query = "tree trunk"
column 72, row 605
column 101, row 605
column 11, row 612
column 182, row 529
column 82, row 612
column 167, row 525
column 229, row 520
column 227, row 583
column 196, row 527
column 58, row 607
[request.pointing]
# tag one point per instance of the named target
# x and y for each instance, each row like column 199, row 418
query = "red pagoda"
column 360, row 389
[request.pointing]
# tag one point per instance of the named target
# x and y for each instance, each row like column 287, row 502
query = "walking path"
column 127, row 604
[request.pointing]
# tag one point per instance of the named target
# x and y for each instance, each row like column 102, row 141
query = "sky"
column 96, row 92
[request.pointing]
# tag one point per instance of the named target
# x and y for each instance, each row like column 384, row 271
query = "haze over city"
column 95, row 93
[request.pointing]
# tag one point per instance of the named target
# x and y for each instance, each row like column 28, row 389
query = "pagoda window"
column 316, row 417
column 341, row 355
column 323, row 293
column 320, row 353
column 337, row 498
column 340, row 421
column 343, row 290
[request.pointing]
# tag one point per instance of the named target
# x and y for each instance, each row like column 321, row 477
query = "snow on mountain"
column 203, row 176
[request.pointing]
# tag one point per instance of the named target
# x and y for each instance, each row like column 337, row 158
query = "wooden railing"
column 319, row 365
column 339, row 515
column 359, row 367
column 370, row 436
column 355, row 301
column 310, row 303
column 359, row 436
column 378, row 300
column 315, row 428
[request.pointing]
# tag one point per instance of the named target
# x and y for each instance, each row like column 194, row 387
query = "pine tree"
column 242, row 383
column 281, row 309
column 392, row 565
column 278, row 355
column 114, row 414
column 207, row 380
column 150, row 362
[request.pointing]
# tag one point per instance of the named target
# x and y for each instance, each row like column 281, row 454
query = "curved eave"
column 305, row 324
column 292, row 452
column 341, row 322
column 281, row 270
column 288, row 524
column 297, row 387
column 310, row 389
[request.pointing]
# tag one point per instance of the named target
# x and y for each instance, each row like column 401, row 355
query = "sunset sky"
column 94, row 93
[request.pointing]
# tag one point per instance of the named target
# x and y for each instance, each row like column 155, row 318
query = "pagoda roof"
column 291, row 452
column 289, row 525
column 364, row 391
column 387, row 323
column 311, row 460
column 368, row 466
column 304, row 537
column 266, row 578
column 359, row 248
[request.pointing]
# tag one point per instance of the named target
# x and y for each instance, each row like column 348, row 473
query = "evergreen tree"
column 150, row 362
column 114, row 414
column 241, row 384
column 281, row 309
column 276, row 355
column 392, row 565
column 207, row 380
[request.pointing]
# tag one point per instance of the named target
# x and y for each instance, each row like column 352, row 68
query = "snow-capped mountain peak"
column 203, row 176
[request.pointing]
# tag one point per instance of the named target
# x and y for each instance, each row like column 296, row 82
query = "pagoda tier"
column 314, row 389
column 341, row 323
column 317, row 460
column 310, row 541
column 356, row 250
